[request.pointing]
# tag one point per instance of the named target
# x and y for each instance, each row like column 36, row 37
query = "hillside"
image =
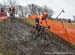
column 15, row 39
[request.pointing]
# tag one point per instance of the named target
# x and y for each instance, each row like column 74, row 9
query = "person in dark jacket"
column 12, row 14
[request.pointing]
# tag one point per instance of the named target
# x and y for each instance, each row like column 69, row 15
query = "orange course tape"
column 62, row 30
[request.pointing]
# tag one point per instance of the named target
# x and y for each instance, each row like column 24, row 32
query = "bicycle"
column 42, row 36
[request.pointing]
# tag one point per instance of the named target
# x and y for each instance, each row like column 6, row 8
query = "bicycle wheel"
column 34, row 34
column 44, row 39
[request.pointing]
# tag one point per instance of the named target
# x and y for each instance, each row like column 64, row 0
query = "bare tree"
column 10, row 3
column 50, row 11
column 74, row 18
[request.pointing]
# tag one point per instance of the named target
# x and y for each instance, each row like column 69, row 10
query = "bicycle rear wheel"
column 44, row 39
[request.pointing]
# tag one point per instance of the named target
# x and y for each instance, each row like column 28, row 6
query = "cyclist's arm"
column 40, row 20
column 48, row 27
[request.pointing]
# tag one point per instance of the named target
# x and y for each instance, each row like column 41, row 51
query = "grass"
column 66, row 23
column 30, row 21
column 27, row 21
column 70, row 24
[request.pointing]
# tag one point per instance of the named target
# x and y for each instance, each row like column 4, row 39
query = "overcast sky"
column 56, row 5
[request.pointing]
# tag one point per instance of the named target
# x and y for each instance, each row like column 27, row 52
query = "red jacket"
column 13, row 9
column 3, row 14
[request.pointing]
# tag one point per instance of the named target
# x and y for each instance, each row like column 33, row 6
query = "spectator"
column 2, row 12
column 12, row 14
column 69, row 20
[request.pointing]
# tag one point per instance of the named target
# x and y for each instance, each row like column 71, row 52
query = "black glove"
column 40, row 22
column 49, row 27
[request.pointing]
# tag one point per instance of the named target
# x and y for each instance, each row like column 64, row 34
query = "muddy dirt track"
column 17, row 38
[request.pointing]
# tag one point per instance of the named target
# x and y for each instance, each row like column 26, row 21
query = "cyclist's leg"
column 37, row 30
column 42, row 32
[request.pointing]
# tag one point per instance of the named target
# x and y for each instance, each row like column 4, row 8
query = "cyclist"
column 37, row 25
column 44, row 17
column 38, row 22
